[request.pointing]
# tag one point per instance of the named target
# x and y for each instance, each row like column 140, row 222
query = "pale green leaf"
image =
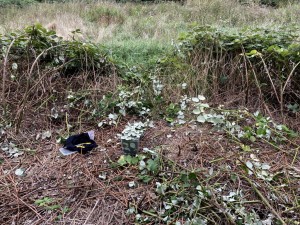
column 201, row 119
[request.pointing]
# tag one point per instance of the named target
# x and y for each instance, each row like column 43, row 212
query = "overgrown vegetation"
column 35, row 58
column 206, row 158
column 249, row 61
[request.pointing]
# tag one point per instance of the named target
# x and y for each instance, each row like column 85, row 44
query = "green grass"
column 161, row 22
column 137, row 34
column 138, row 52
column 137, row 26
column 141, row 28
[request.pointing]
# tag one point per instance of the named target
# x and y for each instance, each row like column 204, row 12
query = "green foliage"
column 171, row 112
column 270, row 57
column 148, row 164
column 70, row 56
column 49, row 204
column 233, row 122
column 128, row 160
column 294, row 108
column 266, row 41
column 185, row 196
column 137, row 54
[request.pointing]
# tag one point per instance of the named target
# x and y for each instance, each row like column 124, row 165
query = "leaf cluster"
column 250, row 58
column 70, row 56
column 279, row 44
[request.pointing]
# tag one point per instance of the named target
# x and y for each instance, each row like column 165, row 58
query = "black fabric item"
column 81, row 143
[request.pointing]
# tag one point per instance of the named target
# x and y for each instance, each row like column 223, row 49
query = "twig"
column 91, row 212
column 295, row 156
column 291, row 209
column 259, row 89
column 22, row 105
column 285, row 85
column 5, row 61
column 30, row 207
column 67, row 124
column 230, row 218
column 268, row 73
column 265, row 200
column 152, row 214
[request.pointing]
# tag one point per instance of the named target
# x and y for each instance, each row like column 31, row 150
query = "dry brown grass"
column 160, row 22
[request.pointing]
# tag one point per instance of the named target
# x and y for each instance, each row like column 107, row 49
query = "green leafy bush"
column 247, row 59
column 37, row 43
column 37, row 63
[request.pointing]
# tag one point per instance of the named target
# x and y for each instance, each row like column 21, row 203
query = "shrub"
column 241, row 61
column 70, row 56
column 39, row 65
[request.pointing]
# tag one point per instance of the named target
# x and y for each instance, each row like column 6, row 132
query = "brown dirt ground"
column 73, row 180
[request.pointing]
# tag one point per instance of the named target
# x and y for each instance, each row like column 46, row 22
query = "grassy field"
column 142, row 28
column 105, row 21
column 218, row 79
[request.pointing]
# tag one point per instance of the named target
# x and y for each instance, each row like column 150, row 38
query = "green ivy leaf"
column 252, row 138
column 145, row 178
column 261, row 131
column 246, row 148
column 134, row 160
column 122, row 161
column 196, row 111
column 192, row 176
column 152, row 165
column 201, row 119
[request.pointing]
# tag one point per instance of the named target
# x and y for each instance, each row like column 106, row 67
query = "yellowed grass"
column 161, row 22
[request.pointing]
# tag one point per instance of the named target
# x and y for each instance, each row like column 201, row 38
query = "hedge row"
column 247, row 59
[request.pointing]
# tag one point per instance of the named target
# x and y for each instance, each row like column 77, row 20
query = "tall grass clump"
column 105, row 15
